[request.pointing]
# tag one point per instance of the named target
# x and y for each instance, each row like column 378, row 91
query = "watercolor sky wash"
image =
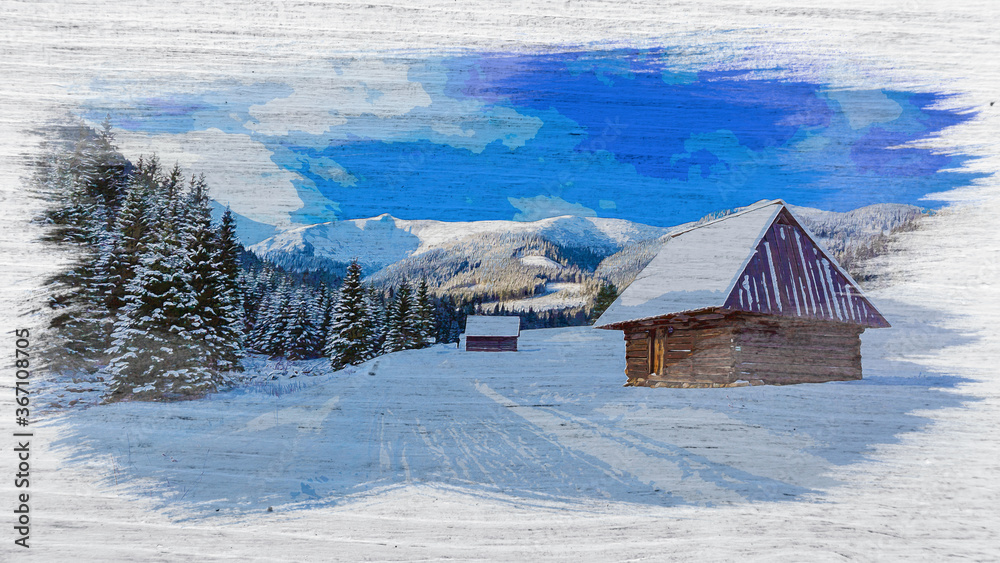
column 618, row 134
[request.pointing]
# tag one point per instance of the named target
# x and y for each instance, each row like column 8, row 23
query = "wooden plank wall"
column 636, row 354
column 491, row 343
column 697, row 350
column 695, row 353
column 721, row 348
column 789, row 276
column 778, row 350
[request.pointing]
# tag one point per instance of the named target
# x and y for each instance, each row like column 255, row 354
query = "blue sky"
column 612, row 133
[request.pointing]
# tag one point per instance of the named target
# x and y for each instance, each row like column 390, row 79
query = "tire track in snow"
column 308, row 419
column 745, row 484
column 622, row 459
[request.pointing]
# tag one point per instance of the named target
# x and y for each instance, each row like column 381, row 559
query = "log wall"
column 721, row 347
column 491, row 343
column 694, row 350
column 779, row 350
column 636, row 354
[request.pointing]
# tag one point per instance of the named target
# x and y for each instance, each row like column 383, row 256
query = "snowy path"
column 550, row 422
column 546, row 427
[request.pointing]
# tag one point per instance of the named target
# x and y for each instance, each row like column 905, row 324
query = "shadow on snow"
column 549, row 423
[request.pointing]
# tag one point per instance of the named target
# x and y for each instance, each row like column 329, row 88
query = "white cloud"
column 865, row 107
column 238, row 169
column 386, row 101
column 328, row 169
column 328, row 95
column 542, row 207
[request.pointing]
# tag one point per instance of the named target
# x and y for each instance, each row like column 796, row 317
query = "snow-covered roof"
column 481, row 325
column 696, row 268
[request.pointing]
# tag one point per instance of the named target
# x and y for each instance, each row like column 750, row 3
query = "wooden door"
column 656, row 352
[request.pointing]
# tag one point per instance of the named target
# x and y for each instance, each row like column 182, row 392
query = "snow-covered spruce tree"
column 161, row 347
column 133, row 231
column 85, row 185
column 352, row 330
column 256, row 283
column 172, row 203
column 228, row 321
column 325, row 302
column 154, row 353
column 399, row 332
column 422, row 318
column 215, row 320
column 449, row 317
column 376, row 316
column 105, row 168
column 303, row 338
column 269, row 333
column 81, row 180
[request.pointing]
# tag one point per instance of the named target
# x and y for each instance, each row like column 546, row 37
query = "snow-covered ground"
column 541, row 262
column 557, row 295
column 900, row 466
column 443, row 452
column 550, row 422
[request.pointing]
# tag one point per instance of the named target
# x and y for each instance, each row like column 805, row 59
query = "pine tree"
column 399, row 334
column 107, row 170
column 228, row 321
column 352, row 330
column 605, row 297
column 82, row 183
column 155, row 354
column 255, row 285
column 133, row 232
column 178, row 326
column 269, row 333
column 212, row 277
column 422, row 318
column 326, row 301
column 302, row 338
column 376, row 315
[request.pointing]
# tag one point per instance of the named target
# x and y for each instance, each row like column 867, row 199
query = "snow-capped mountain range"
column 380, row 241
column 551, row 263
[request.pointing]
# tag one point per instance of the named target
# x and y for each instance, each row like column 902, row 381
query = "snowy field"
column 551, row 422
column 541, row 454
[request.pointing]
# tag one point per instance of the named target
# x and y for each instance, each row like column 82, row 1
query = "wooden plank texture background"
column 931, row 496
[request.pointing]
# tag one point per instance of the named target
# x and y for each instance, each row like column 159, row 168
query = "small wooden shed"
column 492, row 334
column 751, row 297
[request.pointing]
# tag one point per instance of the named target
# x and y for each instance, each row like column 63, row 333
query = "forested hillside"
column 160, row 302
column 518, row 269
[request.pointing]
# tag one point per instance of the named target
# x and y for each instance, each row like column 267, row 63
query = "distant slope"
column 384, row 240
column 501, row 262
column 249, row 231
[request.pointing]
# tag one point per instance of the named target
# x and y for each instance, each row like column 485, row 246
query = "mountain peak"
column 384, row 239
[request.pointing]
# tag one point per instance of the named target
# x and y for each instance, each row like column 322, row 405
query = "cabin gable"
column 789, row 275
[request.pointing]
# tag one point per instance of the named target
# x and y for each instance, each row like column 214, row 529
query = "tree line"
column 153, row 299
column 164, row 302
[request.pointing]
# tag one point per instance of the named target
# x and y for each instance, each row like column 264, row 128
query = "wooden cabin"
column 492, row 334
column 748, row 298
